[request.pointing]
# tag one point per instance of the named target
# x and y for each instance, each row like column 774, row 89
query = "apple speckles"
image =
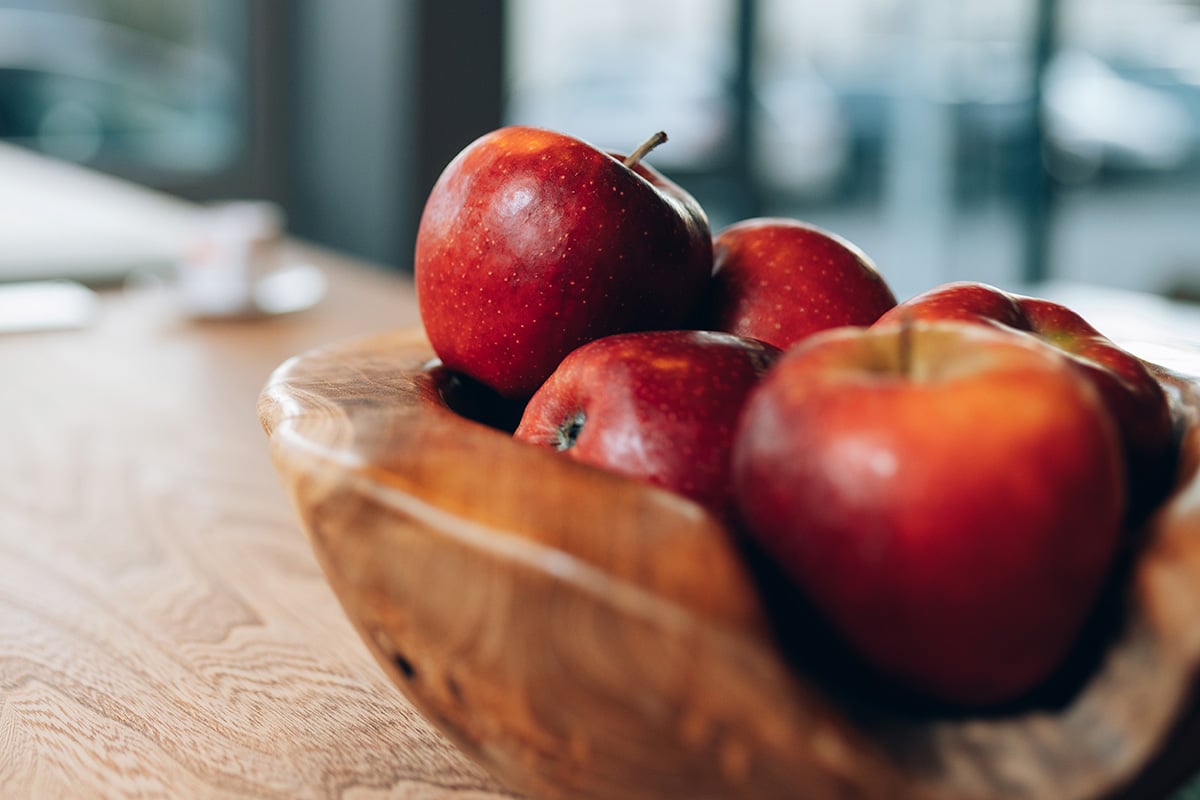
column 659, row 355
column 759, row 263
column 539, row 208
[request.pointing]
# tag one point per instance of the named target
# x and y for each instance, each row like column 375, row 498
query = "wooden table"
column 164, row 628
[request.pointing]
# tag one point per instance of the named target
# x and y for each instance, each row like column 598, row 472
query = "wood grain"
column 585, row 636
column 164, row 628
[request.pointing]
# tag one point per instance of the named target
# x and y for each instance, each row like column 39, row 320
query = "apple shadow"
column 475, row 401
column 811, row 645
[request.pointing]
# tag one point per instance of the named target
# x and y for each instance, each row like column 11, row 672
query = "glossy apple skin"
column 1131, row 393
column 781, row 280
column 954, row 520
column 658, row 406
column 533, row 242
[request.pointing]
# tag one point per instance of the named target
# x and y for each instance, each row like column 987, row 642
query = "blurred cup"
column 237, row 243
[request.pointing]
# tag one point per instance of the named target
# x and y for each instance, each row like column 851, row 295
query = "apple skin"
column 658, row 406
column 533, row 242
column 953, row 512
column 1131, row 393
column 781, row 280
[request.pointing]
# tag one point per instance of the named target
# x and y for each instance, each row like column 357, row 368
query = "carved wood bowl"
column 585, row 636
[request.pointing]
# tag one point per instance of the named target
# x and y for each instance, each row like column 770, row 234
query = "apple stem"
column 637, row 155
column 904, row 344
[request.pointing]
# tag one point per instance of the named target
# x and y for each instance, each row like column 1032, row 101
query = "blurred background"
column 951, row 139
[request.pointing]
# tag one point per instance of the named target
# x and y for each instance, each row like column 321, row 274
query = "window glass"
column 615, row 72
column 149, row 89
column 1123, row 98
column 900, row 124
column 950, row 139
column 888, row 121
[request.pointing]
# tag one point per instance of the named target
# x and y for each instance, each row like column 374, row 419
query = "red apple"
column 660, row 406
column 533, row 242
column 780, row 280
column 949, row 496
column 1131, row 393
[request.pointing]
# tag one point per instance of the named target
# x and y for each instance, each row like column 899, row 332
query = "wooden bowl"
column 585, row 636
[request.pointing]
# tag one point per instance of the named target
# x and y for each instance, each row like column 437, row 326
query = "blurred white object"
column 290, row 288
column 234, row 266
column 236, row 243
column 59, row 220
column 45, row 306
